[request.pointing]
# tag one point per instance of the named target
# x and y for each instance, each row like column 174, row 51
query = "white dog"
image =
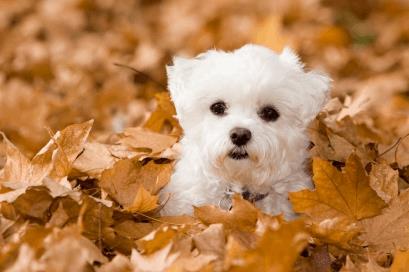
column 244, row 115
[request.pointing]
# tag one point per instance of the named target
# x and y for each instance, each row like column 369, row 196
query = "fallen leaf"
column 290, row 238
column 141, row 139
column 19, row 172
column 156, row 239
column 70, row 142
column 243, row 216
column 211, row 241
column 400, row 261
column 143, row 202
column 389, row 231
column 123, row 181
column 156, row 262
column 119, row 263
column 62, row 245
column 164, row 114
column 384, row 180
column 338, row 193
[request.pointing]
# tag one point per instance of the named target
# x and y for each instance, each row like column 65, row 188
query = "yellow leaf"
column 344, row 193
column 143, row 202
column 400, row 261
column 243, row 215
column 156, row 239
column 164, row 113
column 277, row 250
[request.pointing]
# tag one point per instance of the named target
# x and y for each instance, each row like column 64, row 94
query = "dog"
column 244, row 114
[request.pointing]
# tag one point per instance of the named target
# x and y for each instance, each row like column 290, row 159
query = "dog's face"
column 246, row 111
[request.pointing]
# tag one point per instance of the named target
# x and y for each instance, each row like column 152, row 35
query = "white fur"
column 245, row 79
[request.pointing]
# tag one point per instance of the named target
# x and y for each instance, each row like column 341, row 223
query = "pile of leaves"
column 87, row 146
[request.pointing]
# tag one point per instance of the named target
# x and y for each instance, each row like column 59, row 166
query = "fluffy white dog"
column 244, row 115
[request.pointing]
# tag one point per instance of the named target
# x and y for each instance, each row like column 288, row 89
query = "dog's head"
column 246, row 110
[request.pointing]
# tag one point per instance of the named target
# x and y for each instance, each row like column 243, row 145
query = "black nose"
column 240, row 136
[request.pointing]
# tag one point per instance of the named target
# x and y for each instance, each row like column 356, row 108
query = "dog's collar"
column 226, row 202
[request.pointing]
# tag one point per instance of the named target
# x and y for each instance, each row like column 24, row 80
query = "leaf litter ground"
column 87, row 145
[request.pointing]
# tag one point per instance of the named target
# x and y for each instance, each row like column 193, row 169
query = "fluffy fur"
column 246, row 80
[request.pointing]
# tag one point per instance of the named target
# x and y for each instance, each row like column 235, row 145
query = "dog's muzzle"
column 238, row 153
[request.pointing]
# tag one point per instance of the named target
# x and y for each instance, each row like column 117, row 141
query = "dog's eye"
column 218, row 108
column 268, row 113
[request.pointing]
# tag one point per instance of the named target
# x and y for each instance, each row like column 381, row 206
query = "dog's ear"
column 316, row 86
column 289, row 57
column 178, row 75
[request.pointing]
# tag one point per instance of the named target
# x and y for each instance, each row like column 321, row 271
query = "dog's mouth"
column 238, row 153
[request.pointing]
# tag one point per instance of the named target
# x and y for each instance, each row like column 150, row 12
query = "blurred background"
column 57, row 56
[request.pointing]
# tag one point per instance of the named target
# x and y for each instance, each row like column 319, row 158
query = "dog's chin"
column 238, row 153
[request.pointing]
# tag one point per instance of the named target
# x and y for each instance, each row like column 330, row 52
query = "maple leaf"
column 97, row 157
column 345, row 193
column 156, row 239
column 143, row 202
column 164, row 113
column 20, row 172
column 122, row 182
column 70, row 142
column 156, row 262
column 211, row 240
column 142, row 139
column 389, row 231
column 290, row 238
column 243, row 216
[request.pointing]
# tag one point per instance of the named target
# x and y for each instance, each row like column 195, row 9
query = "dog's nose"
column 240, row 136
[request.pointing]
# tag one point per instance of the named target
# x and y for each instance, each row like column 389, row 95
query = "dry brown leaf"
column 349, row 266
column 345, row 193
column 191, row 263
column 143, row 202
column 122, row 182
column 94, row 160
column 35, row 203
column 19, row 172
column 156, row 262
column 243, row 216
column 164, row 114
column 133, row 230
column 62, row 245
column 290, row 238
column 156, row 239
column 339, row 231
column 70, row 143
column 384, row 180
column 26, row 261
column 119, row 263
column 148, row 141
column 211, row 240
column 389, row 230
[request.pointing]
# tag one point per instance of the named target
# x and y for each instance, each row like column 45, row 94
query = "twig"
column 157, row 220
column 144, row 75
column 396, row 144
